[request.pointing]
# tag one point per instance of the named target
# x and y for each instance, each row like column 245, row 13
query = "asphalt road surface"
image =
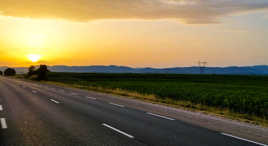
column 37, row 114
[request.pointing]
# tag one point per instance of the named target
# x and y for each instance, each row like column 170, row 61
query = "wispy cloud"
column 190, row 11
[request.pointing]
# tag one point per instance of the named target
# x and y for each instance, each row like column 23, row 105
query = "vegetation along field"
column 245, row 95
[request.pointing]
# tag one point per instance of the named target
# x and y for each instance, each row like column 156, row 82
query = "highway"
column 40, row 114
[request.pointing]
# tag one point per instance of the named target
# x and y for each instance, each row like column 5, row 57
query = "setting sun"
column 34, row 57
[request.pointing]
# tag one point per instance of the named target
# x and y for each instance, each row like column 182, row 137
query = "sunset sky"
column 137, row 33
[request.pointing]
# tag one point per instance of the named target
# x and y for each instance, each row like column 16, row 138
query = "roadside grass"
column 243, row 98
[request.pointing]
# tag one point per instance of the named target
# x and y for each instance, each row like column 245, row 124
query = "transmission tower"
column 202, row 66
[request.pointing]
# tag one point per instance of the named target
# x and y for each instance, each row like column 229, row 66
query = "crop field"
column 239, row 94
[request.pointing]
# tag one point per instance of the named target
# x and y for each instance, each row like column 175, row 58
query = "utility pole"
column 202, row 66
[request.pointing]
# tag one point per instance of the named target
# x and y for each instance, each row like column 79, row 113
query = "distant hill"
column 241, row 70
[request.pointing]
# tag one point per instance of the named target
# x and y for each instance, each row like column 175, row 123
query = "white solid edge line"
column 243, row 139
column 91, row 98
column 54, row 101
column 116, row 104
column 119, row 131
column 1, row 108
column 3, row 123
column 161, row 116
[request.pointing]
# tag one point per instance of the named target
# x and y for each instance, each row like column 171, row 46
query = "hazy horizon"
column 137, row 66
column 135, row 33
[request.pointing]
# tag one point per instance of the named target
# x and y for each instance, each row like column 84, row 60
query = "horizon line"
column 139, row 67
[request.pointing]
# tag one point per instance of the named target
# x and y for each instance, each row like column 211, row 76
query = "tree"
column 42, row 72
column 31, row 71
column 1, row 73
column 10, row 72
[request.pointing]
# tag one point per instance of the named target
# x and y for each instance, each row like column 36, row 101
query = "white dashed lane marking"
column 119, row 105
column 3, row 123
column 236, row 137
column 54, row 101
column 164, row 117
column 92, row 98
column 117, row 130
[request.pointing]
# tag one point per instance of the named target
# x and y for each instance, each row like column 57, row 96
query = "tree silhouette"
column 31, row 71
column 10, row 72
column 42, row 72
column 1, row 73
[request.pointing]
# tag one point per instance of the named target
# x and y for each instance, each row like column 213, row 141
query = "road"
column 39, row 114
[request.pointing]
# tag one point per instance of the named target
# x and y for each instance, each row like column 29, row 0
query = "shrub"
column 31, row 71
column 39, row 74
column 10, row 72
column 42, row 72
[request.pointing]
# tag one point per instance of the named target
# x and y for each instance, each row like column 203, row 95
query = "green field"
column 238, row 94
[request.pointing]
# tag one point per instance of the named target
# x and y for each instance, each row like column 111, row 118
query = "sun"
column 34, row 57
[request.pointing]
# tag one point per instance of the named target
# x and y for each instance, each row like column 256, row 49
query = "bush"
column 31, row 71
column 39, row 74
column 10, row 72
column 42, row 72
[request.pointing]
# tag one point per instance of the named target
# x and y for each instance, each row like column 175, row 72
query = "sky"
column 136, row 33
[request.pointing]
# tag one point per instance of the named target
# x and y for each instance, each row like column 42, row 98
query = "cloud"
column 190, row 11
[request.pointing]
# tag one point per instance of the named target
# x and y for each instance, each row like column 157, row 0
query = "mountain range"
column 238, row 70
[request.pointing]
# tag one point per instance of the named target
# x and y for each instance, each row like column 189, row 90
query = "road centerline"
column 119, row 105
column 236, row 137
column 156, row 115
column 3, row 123
column 54, row 101
column 117, row 130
